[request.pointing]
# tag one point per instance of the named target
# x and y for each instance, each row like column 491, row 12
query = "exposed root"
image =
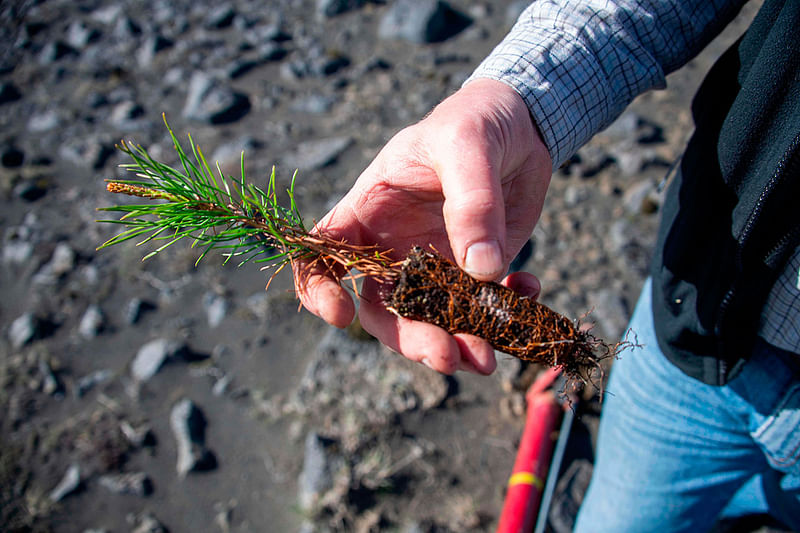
column 432, row 289
column 341, row 260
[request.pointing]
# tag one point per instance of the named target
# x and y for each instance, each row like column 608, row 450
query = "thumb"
column 473, row 209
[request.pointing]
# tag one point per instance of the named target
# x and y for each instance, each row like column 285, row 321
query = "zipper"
column 782, row 243
column 789, row 158
column 786, row 164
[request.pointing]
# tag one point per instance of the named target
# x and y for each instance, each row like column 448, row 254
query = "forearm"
column 579, row 63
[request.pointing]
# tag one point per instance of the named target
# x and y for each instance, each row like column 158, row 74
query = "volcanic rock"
column 188, row 427
column 209, row 100
column 422, row 21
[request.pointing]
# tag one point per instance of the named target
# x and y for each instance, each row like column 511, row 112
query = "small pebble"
column 70, row 483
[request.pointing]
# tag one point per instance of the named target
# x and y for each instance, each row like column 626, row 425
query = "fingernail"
column 527, row 289
column 483, row 259
column 425, row 361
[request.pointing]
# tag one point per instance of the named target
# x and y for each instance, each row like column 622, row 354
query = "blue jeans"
column 674, row 454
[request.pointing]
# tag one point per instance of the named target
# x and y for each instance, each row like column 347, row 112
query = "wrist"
column 501, row 99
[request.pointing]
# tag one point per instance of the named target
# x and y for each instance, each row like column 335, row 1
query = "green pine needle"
column 215, row 212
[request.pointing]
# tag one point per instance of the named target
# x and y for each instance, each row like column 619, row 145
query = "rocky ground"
column 162, row 396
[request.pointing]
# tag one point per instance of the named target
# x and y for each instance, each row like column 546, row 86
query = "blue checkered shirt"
column 579, row 63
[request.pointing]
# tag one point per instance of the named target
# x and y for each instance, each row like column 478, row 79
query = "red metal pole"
column 533, row 457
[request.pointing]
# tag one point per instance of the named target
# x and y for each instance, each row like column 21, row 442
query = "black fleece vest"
column 731, row 218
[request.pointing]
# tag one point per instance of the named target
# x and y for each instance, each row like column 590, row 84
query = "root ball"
column 432, row 289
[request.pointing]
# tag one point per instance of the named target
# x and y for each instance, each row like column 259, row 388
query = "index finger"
column 323, row 296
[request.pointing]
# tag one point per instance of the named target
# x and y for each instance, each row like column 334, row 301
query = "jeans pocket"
column 779, row 434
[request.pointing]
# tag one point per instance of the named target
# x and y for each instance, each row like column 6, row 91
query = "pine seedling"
column 231, row 215
column 242, row 220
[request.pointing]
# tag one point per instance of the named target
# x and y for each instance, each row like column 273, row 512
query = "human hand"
column 470, row 180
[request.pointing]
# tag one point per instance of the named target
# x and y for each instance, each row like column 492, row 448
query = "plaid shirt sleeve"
column 780, row 318
column 579, row 63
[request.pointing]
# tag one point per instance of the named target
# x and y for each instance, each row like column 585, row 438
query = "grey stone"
column 135, row 309
column 90, row 274
column 575, row 194
column 79, row 35
column 91, row 322
column 107, row 14
column 44, row 121
column 313, row 104
column 229, row 154
column 331, row 8
column 17, row 251
column 317, row 62
column 629, row 157
column 216, row 307
column 592, row 160
column 188, row 426
column 316, row 477
column 271, row 31
column 413, row 526
column 120, row 94
column 209, row 100
column 90, row 152
column 624, row 126
column 137, row 436
column 55, row 51
column 241, row 66
column 124, row 113
column 61, row 262
column 220, row 17
column 271, row 51
column 635, row 196
column 314, row 155
column 621, row 235
column 69, row 484
column 151, row 47
column 50, row 384
column 634, row 127
column 145, row 523
column 136, row 483
column 23, row 330
column 295, row 70
column 174, row 77
column 260, row 305
column 125, row 29
column 221, row 385
column 26, row 32
column 151, row 357
column 91, row 380
column 421, row 21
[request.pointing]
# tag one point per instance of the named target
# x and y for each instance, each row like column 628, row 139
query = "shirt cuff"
column 575, row 81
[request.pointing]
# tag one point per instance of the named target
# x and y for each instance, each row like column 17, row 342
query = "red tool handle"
column 535, row 450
